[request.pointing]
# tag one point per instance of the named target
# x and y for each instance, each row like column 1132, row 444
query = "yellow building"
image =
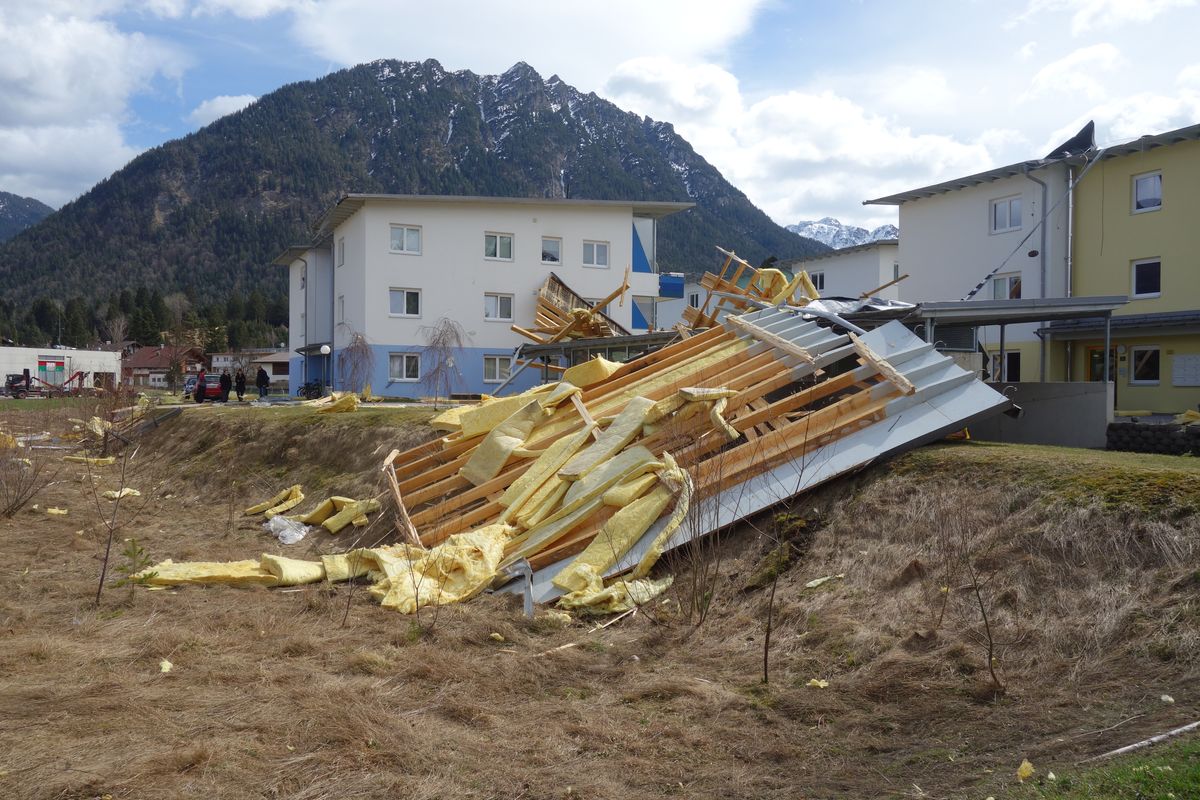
column 1136, row 232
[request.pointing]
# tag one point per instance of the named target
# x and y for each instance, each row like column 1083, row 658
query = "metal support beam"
column 1107, row 345
column 1003, row 357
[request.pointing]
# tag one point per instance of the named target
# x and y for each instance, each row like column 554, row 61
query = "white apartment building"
column 850, row 271
column 390, row 267
column 957, row 233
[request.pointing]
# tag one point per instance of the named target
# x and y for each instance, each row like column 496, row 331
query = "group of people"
column 236, row 383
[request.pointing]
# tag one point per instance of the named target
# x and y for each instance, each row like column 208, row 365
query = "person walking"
column 239, row 384
column 226, row 385
column 200, row 386
column 263, row 382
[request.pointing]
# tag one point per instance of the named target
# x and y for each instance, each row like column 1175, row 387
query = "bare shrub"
column 22, row 476
column 444, row 339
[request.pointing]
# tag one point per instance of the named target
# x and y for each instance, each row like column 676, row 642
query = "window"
column 1006, row 214
column 595, row 254
column 404, row 302
column 551, row 250
column 341, row 308
column 818, row 280
column 498, row 307
column 1145, row 365
column 1147, row 278
column 498, row 246
column 341, row 251
column 1147, row 192
column 406, row 239
column 496, row 369
column 404, row 367
column 694, row 299
column 895, row 270
column 591, row 301
column 1006, row 287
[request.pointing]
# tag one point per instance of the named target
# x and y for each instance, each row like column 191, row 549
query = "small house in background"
column 148, row 367
column 384, row 271
column 852, row 271
column 277, row 363
column 219, row 362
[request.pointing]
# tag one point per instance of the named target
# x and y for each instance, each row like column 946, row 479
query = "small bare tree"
column 443, row 341
column 356, row 362
column 116, row 329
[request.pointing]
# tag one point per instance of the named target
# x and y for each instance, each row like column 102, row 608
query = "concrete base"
column 1064, row 414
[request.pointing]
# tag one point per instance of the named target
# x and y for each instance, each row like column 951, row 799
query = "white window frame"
column 341, row 250
column 404, row 361
column 1133, row 295
column 1134, row 189
column 1007, row 203
column 1007, row 277
column 512, row 245
column 1133, row 353
column 818, row 280
column 559, row 241
column 496, row 359
column 591, row 302
column 406, row 290
column 499, row 297
column 594, row 263
column 693, row 299
column 404, row 251
column 341, row 308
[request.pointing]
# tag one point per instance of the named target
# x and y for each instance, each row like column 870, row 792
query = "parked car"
column 212, row 387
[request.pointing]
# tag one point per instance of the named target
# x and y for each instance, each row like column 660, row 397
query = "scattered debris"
column 817, row 683
column 347, row 402
column 113, row 494
column 165, row 666
column 107, row 461
column 820, row 581
column 1025, row 771
column 57, row 512
column 286, row 529
column 284, row 501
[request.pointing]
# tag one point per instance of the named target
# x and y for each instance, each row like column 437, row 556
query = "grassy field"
column 1091, row 593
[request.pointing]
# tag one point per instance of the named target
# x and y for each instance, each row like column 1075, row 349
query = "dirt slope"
column 1089, row 587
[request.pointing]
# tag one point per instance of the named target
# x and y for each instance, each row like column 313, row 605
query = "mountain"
column 18, row 213
column 833, row 233
column 206, row 213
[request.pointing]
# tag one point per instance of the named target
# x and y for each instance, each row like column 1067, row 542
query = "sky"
column 808, row 107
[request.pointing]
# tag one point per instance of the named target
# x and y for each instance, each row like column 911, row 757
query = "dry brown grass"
column 271, row 696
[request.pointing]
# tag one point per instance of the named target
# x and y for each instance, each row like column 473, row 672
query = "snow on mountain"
column 833, row 233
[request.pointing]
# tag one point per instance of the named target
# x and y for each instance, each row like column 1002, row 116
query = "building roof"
column 276, row 357
column 1009, row 171
column 1163, row 322
column 351, row 203
column 1139, row 145
column 294, row 252
column 161, row 357
column 1009, row 312
column 841, row 251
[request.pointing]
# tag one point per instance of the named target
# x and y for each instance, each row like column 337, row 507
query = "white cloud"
column 66, row 78
column 579, row 41
column 1189, row 77
column 216, row 107
column 48, row 162
column 1027, row 50
column 246, row 9
column 1078, row 72
column 798, row 155
column 1091, row 15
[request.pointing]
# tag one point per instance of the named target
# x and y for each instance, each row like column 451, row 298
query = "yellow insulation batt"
column 112, row 494
column 291, row 571
column 233, row 573
column 484, row 417
column 355, row 512
column 347, row 402
column 287, row 499
column 621, row 596
column 454, row 571
column 502, row 442
column 626, row 492
column 590, row 372
column 678, row 480
column 620, row 533
column 540, row 471
column 621, row 432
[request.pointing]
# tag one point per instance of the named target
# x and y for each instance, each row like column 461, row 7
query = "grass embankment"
column 1092, row 599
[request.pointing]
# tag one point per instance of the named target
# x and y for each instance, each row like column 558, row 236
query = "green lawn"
column 1165, row 773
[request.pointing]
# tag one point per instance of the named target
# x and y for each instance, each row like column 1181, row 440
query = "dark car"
column 189, row 385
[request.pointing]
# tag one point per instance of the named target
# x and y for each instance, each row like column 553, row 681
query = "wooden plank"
column 883, row 366
column 773, row 339
column 878, row 289
column 527, row 334
column 404, row 523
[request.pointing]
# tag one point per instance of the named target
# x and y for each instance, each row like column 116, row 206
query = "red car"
column 212, row 388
